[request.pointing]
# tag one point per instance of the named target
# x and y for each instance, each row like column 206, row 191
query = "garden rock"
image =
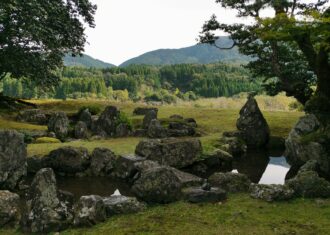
column 231, row 182
column 235, row 146
column 46, row 213
column 12, row 159
column 156, row 130
column 86, row 117
column 123, row 130
column 102, row 162
column 89, row 211
column 35, row 116
column 307, row 183
column 59, row 124
column 125, row 167
column 116, row 205
column 300, row 151
column 81, row 130
column 178, row 153
column 149, row 116
column 199, row 195
column 144, row 111
column 67, row 160
column 107, row 123
column 271, row 193
column 178, row 129
column 158, row 185
column 9, row 209
column 34, row 164
column 252, row 125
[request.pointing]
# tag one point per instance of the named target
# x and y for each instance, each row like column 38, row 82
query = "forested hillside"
column 197, row 54
column 136, row 82
column 85, row 61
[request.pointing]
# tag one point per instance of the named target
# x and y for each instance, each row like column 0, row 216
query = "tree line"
column 153, row 83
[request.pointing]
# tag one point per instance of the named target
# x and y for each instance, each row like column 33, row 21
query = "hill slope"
column 198, row 54
column 85, row 61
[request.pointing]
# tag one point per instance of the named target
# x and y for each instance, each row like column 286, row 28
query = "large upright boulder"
column 178, row 153
column 81, row 130
column 86, row 117
column 12, row 159
column 149, row 116
column 306, row 142
column 67, row 160
column 107, row 122
column 9, row 209
column 59, row 124
column 46, row 213
column 252, row 125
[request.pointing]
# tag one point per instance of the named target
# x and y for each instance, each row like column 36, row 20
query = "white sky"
column 129, row 28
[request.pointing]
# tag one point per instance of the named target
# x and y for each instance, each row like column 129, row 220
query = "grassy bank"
column 239, row 215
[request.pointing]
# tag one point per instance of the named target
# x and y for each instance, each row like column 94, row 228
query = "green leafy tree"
column 35, row 35
column 291, row 48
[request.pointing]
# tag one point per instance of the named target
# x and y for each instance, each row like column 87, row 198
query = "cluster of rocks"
column 252, row 130
column 152, row 127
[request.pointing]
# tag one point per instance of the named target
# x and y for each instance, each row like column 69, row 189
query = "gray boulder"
column 59, row 124
column 67, row 160
column 180, row 129
column 125, row 167
column 198, row 195
column 144, row 110
column 178, row 153
column 116, row 205
column 89, row 211
column 102, row 162
column 86, row 117
column 149, row 116
column 307, row 182
column 300, row 149
column 81, row 130
column 12, row 159
column 158, row 185
column 252, row 125
column 46, row 213
column 231, row 182
column 35, row 116
column 107, row 123
column 156, row 130
column 234, row 145
column 9, row 209
column 34, row 164
column 123, row 130
column 271, row 193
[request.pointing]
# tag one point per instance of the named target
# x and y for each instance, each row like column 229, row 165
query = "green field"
column 238, row 215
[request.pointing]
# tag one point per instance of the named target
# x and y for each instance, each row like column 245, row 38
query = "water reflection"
column 261, row 168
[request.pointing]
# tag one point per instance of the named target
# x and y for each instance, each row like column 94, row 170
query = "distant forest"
column 137, row 82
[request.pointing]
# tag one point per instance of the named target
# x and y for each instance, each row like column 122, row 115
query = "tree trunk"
column 13, row 104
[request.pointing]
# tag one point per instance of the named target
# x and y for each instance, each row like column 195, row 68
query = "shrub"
column 123, row 119
column 93, row 109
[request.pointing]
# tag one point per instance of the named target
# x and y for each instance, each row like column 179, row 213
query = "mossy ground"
column 239, row 215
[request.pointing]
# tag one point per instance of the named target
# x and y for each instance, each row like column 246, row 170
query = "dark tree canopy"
column 36, row 34
column 291, row 49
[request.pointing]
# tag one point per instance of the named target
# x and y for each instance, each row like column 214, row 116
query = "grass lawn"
column 239, row 215
column 212, row 122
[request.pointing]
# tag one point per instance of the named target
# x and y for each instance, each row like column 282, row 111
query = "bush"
column 123, row 119
column 93, row 109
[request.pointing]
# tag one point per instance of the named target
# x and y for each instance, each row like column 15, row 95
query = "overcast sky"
column 129, row 28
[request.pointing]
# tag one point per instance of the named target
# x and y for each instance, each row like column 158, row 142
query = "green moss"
column 44, row 140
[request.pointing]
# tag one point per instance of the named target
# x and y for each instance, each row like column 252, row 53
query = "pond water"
column 263, row 167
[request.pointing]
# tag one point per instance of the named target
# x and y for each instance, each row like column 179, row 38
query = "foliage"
column 291, row 48
column 124, row 119
column 93, row 109
column 163, row 84
column 35, row 35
